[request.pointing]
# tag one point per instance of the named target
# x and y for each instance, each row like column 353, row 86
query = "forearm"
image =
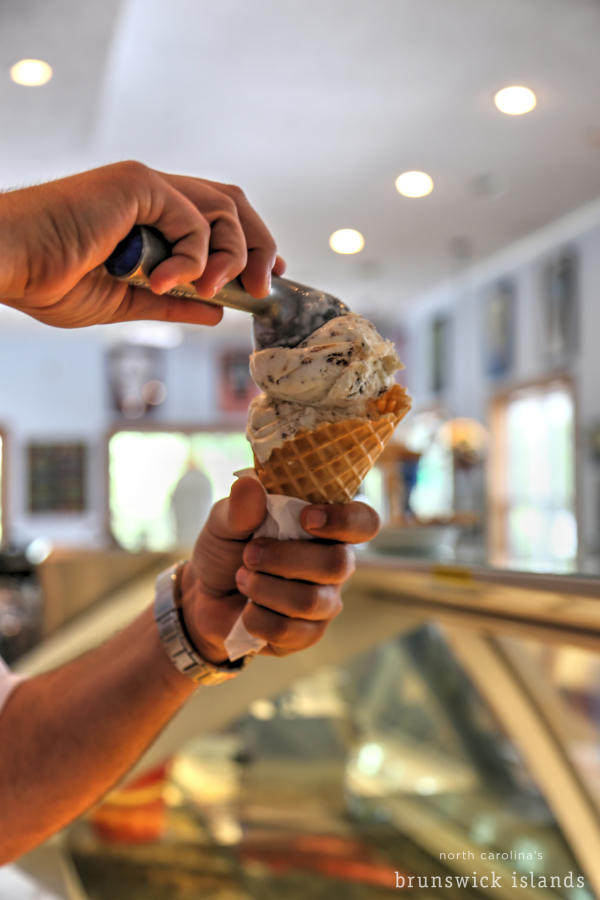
column 67, row 736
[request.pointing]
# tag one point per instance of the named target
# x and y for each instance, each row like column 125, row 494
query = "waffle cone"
column 328, row 464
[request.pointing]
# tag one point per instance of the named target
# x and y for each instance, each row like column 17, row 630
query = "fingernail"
column 242, row 577
column 316, row 518
column 253, row 554
column 165, row 288
column 219, row 285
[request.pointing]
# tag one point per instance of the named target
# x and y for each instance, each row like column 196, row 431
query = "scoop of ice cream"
column 330, row 376
column 343, row 363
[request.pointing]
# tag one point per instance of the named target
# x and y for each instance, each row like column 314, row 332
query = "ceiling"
column 314, row 108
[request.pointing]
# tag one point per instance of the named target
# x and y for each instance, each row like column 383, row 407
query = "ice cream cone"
column 328, row 464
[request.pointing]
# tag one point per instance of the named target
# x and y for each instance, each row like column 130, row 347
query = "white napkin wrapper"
column 282, row 522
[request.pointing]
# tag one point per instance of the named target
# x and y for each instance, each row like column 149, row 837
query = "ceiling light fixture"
column 515, row 100
column 414, row 184
column 346, row 240
column 31, row 72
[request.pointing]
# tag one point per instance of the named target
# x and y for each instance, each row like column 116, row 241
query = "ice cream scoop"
column 288, row 315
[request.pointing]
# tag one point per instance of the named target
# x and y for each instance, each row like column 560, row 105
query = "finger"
column 282, row 634
column 237, row 517
column 212, row 617
column 279, row 266
column 351, row 522
column 141, row 304
column 296, row 599
column 227, row 256
column 262, row 249
column 214, row 234
column 218, row 551
column 185, row 228
column 304, row 560
column 258, row 241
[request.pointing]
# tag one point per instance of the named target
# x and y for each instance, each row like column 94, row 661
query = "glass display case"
column 442, row 739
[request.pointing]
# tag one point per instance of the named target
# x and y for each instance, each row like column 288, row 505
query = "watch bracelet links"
column 176, row 639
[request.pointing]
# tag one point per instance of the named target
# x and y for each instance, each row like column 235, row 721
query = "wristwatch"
column 175, row 637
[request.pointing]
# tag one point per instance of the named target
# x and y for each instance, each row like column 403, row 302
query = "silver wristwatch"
column 176, row 640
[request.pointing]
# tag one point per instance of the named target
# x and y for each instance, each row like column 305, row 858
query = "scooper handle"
column 284, row 318
column 134, row 258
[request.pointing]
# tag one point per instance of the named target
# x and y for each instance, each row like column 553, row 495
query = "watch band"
column 176, row 641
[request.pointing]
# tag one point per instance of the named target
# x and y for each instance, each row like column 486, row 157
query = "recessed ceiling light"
column 346, row 240
column 414, row 184
column 31, row 72
column 515, row 100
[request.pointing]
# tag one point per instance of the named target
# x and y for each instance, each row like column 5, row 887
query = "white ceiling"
column 314, row 107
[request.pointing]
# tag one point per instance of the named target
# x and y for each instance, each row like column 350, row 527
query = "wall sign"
column 500, row 310
column 57, row 477
column 560, row 314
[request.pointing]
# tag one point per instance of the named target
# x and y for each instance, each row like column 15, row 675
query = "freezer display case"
column 442, row 740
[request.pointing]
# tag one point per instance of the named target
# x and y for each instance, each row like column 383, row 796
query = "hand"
column 55, row 238
column 295, row 586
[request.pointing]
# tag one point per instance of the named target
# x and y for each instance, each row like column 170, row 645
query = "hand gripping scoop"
column 284, row 318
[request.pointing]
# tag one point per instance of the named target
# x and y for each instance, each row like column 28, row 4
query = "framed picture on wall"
column 236, row 386
column 560, row 312
column 136, row 379
column 57, row 477
column 499, row 328
column 440, row 353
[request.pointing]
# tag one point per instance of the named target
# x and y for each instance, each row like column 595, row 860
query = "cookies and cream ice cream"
column 328, row 409
column 330, row 377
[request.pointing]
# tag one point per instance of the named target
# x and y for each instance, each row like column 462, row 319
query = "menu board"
column 57, row 477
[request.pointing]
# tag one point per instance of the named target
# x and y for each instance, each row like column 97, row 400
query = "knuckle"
column 239, row 255
column 279, row 629
column 341, row 561
column 281, row 651
column 260, row 555
column 235, row 192
column 310, row 600
column 218, row 512
column 253, row 587
column 269, row 246
column 202, row 228
column 314, row 635
column 134, row 170
column 335, row 604
column 372, row 520
column 228, row 205
column 351, row 562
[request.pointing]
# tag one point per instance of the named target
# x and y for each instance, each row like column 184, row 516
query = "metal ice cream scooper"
column 288, row 315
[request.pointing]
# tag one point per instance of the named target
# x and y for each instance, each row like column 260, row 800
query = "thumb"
column 237, row 517
column 218, row 551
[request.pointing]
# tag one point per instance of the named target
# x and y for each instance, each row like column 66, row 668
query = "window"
column 145, row 468
column 532, row 486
